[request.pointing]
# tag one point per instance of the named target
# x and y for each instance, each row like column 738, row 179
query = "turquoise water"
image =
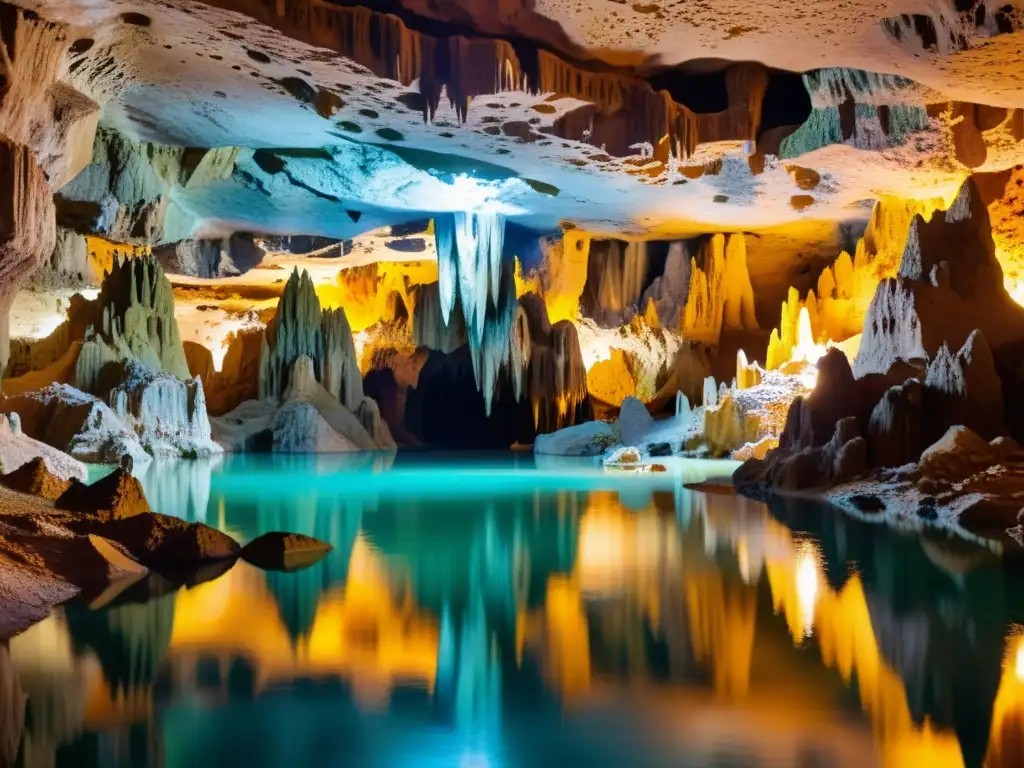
column 495, row 611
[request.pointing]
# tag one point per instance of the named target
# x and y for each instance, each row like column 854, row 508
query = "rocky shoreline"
column 95, row 541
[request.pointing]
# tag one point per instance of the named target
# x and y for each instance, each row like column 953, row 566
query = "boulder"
column 279, row 551
column 634, row 421
column 161, row 541
column 81, row 424
column 33, row 477
column 114, row 497
column 17, row 448
column 957, row 454
column 592, row 438
column 894, row 427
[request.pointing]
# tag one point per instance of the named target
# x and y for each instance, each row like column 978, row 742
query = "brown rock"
column 280, row 551
column 162, row 541
column 34, row 477
column 114, row 497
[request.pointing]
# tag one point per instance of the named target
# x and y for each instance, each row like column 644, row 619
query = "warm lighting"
column 806, row 350
column 1019, row 665
column 807, row 586
column 1015, row 287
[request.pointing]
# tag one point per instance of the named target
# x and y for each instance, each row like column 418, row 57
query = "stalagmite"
column 720, row 295
column 949, row 283
column 136, row 322
column 295, row 331
column 340, row 375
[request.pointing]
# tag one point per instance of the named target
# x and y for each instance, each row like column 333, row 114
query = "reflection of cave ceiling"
column 211, row 75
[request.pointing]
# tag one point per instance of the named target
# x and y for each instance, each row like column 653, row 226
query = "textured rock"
column 114, row 497
column 35, row 478
column 307, row 420
column 136, row 310
column 895, row 432
column 591, row 438
column 278, row 551
column 27, row 232
column 634, row 421
column 161, row 541
column 69, row 265
column 209, row 259
column 166, row 414
column 77, row 423
column 17, row 448
column 123, row 190
column 965, row 389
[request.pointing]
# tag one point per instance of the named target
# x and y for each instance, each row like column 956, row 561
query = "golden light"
column 1015, row 287
column 807, row 585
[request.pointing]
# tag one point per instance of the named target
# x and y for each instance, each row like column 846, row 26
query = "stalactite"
column 469, row 256
column 627, row 110
column 616, row 273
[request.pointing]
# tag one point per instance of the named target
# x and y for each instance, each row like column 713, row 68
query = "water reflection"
column 507, row 614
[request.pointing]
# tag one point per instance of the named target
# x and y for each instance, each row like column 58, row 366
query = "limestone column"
column 28, row 228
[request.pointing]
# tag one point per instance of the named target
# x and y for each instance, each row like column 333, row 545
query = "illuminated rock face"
column 914, row 396
column 136, row 322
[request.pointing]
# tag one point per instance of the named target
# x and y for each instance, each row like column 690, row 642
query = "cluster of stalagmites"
column 121, row 385
column 309, row 386
column 933, row 387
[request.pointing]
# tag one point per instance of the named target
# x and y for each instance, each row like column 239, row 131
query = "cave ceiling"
column 675, row 117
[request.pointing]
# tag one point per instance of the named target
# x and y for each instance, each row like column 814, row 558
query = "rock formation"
column 720, row 296
column 210, row 259
column 27, row 234
column 912, row 390
column 135, row 311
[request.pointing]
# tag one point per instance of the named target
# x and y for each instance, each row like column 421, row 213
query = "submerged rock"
column 279, row 551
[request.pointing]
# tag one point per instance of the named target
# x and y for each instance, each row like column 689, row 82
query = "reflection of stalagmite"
column 12, row 710
column 130, row 640
column 722, row 618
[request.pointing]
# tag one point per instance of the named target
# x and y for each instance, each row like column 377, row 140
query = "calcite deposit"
column 728, row 230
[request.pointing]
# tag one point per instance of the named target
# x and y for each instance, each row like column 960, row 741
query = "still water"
column 494, row 612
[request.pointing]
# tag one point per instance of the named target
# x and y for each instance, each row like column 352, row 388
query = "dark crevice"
column 786, row 101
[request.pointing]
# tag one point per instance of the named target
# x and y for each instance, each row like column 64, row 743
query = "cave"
column 520, row 383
